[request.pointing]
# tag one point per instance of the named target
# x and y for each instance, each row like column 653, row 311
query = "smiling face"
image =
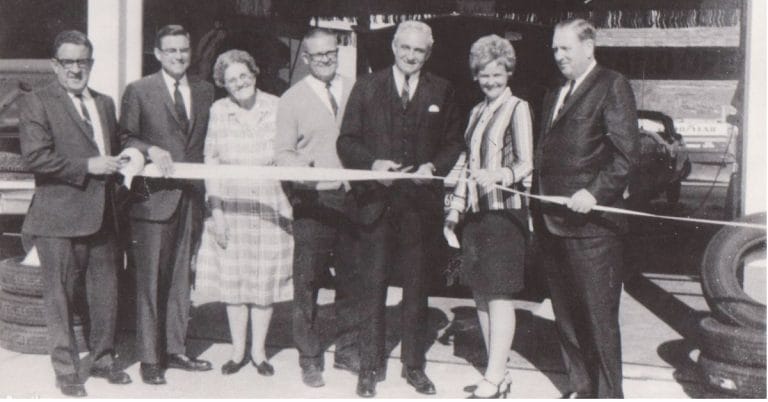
column 321, row 55
column 72, row 66
column 411, row 49
column 493, row 79
column 239, row 82
column 572, row 54
column 174, row 55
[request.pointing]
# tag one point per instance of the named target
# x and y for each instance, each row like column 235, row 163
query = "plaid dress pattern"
column 256, row 265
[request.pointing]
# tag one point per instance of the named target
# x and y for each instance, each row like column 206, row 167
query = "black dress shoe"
column 111, row 374
column 264, row 368
column 349, row 363
column 366, row 384
column 230, row 367
column 152, row 374
column 70, row 386
column 312, row 376
column 418, row 380
column 179, row 361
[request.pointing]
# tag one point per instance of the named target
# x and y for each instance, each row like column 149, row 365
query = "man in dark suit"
column 586, row 150
column 399, row 118
column 165, row 116
column 68, row 135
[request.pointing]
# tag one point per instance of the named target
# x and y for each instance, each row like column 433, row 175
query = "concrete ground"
column 660, row 309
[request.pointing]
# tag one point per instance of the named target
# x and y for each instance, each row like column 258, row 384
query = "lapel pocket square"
column 433, row 109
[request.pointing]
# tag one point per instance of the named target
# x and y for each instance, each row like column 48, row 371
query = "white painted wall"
column 754, row 146
column 115, row 28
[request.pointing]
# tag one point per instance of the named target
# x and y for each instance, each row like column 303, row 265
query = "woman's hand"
column 220, row 229
column 487, row 177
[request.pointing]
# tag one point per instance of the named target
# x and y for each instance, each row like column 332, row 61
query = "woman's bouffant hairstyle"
column 489, row 49
column 229, row 58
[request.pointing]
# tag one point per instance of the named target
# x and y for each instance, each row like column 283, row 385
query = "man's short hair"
column 169, row 30
column 72, row 37
column 316, row 33
column 415, row 26
column 584, row 30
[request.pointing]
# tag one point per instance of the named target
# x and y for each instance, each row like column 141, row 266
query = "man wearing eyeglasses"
column 69, row 137
column 308, row 119
column 165, row 116
column 399, row 118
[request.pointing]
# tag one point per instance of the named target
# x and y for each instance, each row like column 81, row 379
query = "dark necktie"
column 567, row 95
column 84, row 112
column 181, row 111
column 405, row 95
column 334, row 105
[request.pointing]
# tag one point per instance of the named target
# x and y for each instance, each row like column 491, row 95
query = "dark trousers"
column 396, row 239
column 585, row 278
column 324, row 237
column 64, row 262
column 161, row 253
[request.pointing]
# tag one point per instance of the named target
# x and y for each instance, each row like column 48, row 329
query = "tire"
column 25, row 310
column 34, row 340
column 722, row 258
column 737, row 345
column 737, row 380
column 20, row 279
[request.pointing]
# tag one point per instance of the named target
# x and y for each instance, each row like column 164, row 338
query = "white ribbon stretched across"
column 136, row 167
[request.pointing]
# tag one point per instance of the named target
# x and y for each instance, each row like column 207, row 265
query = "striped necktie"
column 334, row 105
column 405, row 95
column 181, row 110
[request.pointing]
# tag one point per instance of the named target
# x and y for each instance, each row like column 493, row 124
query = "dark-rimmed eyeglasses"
column 331, row 54
column 70, row 63
column 174, row 51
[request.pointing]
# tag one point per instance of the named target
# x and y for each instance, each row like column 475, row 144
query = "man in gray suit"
column 165, row 116
column 68, row 135
column 308, row 119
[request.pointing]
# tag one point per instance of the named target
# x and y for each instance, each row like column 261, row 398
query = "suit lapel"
column 66, row 100
column 583, row 88
column 106, row 129
column 197, row 102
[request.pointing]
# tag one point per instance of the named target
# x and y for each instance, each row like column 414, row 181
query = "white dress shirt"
column 93, row 112
column 170, row 83
column 319, row 88
column 413, row 81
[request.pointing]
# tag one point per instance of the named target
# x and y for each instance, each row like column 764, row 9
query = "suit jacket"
column 56, row 145
column 592, row 144
column 366, row 135
column 148, row 118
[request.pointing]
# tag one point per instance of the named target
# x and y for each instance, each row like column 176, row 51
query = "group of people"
column 253, row 243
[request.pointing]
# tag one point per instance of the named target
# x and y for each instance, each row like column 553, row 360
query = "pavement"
column 661, row 305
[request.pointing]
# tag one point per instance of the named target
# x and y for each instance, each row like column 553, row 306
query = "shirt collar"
column 400, row 77
column 86, row 94
column 170, row 82
column 583, row 75
column 312, row 80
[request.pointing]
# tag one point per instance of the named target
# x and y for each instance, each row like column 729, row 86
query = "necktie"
column 181, row 111
column 84, row 112
column 334, row 105
column 567, row 95
column 405, row 95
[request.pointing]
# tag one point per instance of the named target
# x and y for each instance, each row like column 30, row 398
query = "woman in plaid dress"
column 246, row 253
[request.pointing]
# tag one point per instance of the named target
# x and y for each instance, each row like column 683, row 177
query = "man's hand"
column 383, row 165
column 162, row 159
column 99, row 165
column 581, row 201
column 220, row 229
column 426, row 169
column 487, row 177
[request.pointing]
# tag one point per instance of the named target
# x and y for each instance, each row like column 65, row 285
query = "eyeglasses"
column 331, row 54
column 70, row 63
column 174, row 51
column 244, row 77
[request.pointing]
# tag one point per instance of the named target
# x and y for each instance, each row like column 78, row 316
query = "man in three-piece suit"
column 399, row 118
column 68, row 135
column 308, row 119
column 587, row 148
column 165, row 116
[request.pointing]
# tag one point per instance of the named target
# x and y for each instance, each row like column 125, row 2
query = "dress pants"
column 396, row 240
column 162, row 253
column 585, row 281
column 324, row 238
column 64, row 262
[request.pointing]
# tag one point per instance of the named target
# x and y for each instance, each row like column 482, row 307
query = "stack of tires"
column 732, row 341
column 22, row 312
